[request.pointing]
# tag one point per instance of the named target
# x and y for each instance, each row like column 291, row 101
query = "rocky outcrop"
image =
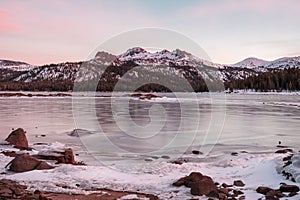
column 11, row 190
column 270, row 193
column 204, row 185
column 18, row 139
column 65, row 157
column 26, row 162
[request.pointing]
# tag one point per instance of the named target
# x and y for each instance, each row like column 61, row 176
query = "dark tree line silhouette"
column 273, row 80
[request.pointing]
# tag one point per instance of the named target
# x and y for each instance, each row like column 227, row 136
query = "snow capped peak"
column 133, row 51
column 181, row 54
column 105, row 58
column 165, row 51
column 251, row 63
column 177, row 57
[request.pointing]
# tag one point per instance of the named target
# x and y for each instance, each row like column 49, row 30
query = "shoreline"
column 240, row 172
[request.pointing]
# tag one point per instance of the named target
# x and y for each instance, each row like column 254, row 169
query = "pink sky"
column 41, row 32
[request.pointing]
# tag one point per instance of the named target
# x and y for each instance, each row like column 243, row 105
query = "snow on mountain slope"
column 15, row 65
column 251, row 63
column 175, row 62
column 62, row 71
column 284, row 63
column 177, row 57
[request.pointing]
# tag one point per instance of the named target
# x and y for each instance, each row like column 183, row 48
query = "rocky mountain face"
column 136, row 64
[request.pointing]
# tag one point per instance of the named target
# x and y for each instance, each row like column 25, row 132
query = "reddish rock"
column 224, row 191
column 263, row 190
column 239, row 183
column 179, row 182
column 289, row 188
column 25, row 162
column 205, row 186
column 293, row 194
column 199, row 184
column 11, row 190
column 9, row 153
column 18, row 138
column 68, row 157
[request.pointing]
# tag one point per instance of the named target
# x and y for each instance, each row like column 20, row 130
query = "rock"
column 5, row 192
column 263, row 190
column 271, row 194
column 222, row 196
column 196, row 152
column 239, row 183
column 25, row 162
column 11, row 190
column 284, row 151
column 192, row 178
column 224, row 191
column 18, row 138
column 226, row 185
column 287, row 158
column 179, row 182
column 292, row 194
column 177, row 162
column 9, row 153
column 234, row 153
column 199, row 184
column 165, row 157
column 237, row 192
column 43, row 165
column 289, row 188
column 68, row 157
column 205, row 186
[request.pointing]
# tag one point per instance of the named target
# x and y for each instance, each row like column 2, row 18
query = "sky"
column 43, row 32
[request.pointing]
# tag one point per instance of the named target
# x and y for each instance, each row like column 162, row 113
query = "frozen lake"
column 118, row 126
column 135, row 141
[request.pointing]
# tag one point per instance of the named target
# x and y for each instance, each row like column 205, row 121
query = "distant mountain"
column 15, row 65
column 251, row 63
column 109, row 68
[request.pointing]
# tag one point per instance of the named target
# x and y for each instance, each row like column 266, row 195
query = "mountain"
column 107, row 69
column 15, row 65
column 251, row 63
column 11, row 69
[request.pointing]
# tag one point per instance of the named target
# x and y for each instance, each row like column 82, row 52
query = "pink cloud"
column 6, row 21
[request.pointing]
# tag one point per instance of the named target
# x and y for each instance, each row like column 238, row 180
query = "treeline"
column 45, row 85
column 273, row 80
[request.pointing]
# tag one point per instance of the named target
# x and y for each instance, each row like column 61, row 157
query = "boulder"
column 68, row 157
column 289, row 188
column 196, row 152
column 188, row 180
column 199, row 184
column 18, row 139
column 263, row 190
column 205, row 186
column 26, row 162
column 239, row 183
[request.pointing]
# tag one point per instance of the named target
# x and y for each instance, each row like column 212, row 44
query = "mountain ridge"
column 177, row 62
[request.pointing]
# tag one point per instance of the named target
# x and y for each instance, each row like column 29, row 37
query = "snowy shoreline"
column 260, row 169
